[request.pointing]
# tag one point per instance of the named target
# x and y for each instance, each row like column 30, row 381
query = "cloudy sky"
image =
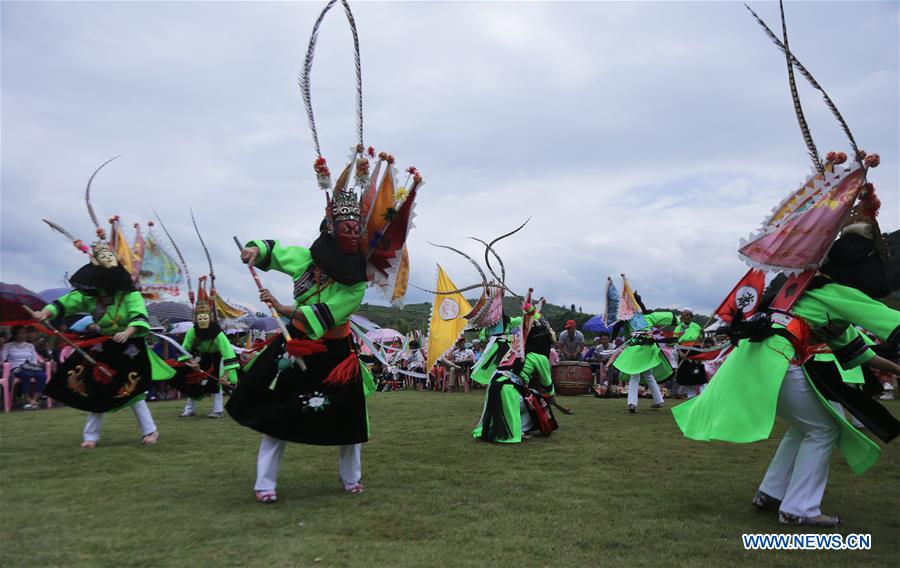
column 644, row 138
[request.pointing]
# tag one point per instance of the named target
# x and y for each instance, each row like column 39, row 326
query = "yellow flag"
column 447, row 321
column 226, row 311
column 123, row 251
column 401, row 283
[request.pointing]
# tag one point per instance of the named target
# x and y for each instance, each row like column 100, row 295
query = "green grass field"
column 608, row 488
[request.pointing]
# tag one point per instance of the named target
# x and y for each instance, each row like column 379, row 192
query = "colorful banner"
column 629, row 309
column 612, row 303
column 159, row 272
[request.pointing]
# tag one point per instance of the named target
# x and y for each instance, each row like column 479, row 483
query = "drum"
column 573, row 378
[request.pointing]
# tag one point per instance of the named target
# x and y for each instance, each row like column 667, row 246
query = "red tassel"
column 344, row 373
column 103, row 373
column 304, row 347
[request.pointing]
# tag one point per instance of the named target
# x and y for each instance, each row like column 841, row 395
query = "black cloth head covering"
column 854, row 262
column 211, row 332
column 539, row 340
column 345, row 268
column 91, row 279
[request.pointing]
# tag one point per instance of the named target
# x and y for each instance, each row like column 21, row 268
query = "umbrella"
column 12, row 296
column 82, row 324
column 181, row 327
column 596, row 325
column 51, row 294
column 384, row 334
column 235, row 325
column 265, row 324
column 171, row 312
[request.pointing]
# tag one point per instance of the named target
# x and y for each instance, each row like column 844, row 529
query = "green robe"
column 739, row 404
column 324, row 305
column 689, row 333
column 228, row 365
column 636, row 359
column 126, row 309
column 535, row 366
column 487, row 364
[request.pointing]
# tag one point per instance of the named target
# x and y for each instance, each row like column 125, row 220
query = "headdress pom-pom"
column 870, row 202
column 101, row 233
column 836, row 157
column 872, row 160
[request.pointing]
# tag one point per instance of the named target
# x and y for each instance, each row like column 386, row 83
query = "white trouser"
column 141, row 412
column 527, row 423
column 798, row 473
column 648, row 378
column 218, row 404
column 271, row 451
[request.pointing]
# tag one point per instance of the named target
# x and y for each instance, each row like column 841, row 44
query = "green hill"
column 416, row 316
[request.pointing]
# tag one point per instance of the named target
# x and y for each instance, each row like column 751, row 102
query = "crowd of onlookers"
column 30, row 354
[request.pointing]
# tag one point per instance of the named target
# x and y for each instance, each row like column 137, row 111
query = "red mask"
column 347, row 234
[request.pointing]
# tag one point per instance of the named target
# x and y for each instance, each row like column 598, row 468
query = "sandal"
column 88, row 445
column 656, row 406
column 266, row 497
column 355, row 488
column 150, row 438
column 820, row 521
column 764, row 501
column 632, row 408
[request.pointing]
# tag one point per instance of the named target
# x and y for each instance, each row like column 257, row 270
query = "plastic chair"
column 48, row 368
column 6, row 384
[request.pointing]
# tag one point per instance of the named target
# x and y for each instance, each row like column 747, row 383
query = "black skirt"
column 691, row 373
column 878, row 419
column 294, row 405
column 77, row 384
column 197, row 385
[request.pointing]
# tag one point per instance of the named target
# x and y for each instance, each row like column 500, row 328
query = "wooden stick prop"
column 103, row 368
column 284, row 331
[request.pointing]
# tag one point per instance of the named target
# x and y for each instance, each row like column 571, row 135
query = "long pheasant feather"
column 87, row 191
column 812, row 81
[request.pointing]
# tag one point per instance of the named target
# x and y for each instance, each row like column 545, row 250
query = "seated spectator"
column 476, row 349
column 459, row 362
column 572, row 342
column 25, row 364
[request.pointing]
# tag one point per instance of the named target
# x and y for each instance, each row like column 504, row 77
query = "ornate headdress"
column 373, row 198
column 102, row 246
column 204, row 303
column 370, row 199
column 800, row 231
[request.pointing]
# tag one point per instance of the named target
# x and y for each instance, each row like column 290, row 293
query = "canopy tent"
column 171, row 312
column 51, row 294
